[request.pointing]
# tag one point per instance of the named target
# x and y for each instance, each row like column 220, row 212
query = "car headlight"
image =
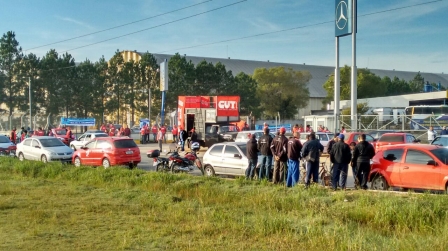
column 52, row 153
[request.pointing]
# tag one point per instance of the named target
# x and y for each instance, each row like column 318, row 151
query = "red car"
column 108, row 152
column 353, row 137
column 395, row 139
column 61, row 133
column 414, row 166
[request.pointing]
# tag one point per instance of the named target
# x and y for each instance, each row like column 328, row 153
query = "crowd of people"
column 288, row 153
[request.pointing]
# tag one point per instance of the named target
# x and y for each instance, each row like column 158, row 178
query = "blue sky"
column 412, row 39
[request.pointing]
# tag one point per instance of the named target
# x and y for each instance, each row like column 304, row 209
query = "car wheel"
column 106, row 163
column 379, row 183
column 21, row 157
column 209, row 171
column 43, row 158
column 73, row 147
column 77, row 162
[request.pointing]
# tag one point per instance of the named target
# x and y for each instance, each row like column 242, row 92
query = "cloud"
column 71, row 20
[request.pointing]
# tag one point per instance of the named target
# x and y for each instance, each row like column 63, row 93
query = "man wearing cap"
column 341, row 155
column 279, row 151
column 264, row 144
column 252, row 156
column 294, row 148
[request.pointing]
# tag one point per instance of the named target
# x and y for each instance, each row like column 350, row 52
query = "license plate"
column 129, row 152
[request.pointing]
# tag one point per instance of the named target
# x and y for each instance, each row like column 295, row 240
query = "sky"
column 409, row 39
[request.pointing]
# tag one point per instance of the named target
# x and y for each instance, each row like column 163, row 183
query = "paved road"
column 147, row 163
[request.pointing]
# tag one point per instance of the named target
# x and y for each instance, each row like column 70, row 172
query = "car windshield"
column 4, row 139
column 441, row 154
column 125, row 143
column 101, row 135
column 228, row 129
column 391, row 138
column 51, row 142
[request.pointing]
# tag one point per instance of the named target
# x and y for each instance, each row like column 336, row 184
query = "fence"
column 23, row 120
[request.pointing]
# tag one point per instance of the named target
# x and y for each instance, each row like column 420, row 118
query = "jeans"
column 363, row 173
column 174, row 138
column 250, row 171
column 339, row 170
column 293, row 173
column 142, row 139
column 182, row 145
column 279, row 172
column 160, row 145
column 355, row 174
column 155, row 137
column 312, row 168
column 265, row 167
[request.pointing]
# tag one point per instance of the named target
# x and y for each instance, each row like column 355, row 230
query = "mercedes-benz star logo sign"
column 341, row 13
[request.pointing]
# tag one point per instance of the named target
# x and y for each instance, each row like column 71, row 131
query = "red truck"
column 211, row 116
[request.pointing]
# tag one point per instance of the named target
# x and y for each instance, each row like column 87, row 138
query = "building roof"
column 319, row 74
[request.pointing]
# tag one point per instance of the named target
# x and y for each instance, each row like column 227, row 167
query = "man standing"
column 142, row 134
column 332, row 142
column 174, row 132
column 127, row 131
column 160, row 138
column 362, row 155
column 264, row 146
column 194, row 135
column 431, row 134
column 182, row 137
column 13, row 136
column 311, row 152
column 279, row 147
column 341, row 156
column 154, row 131
column 164, row 133
column 444, row 131
column 294, row 148
column 252, row 156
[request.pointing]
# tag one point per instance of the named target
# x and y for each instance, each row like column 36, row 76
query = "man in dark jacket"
column 311, row 152
column 279, row 148
column 252, row 156
column 341, row 155
column 332, row 142
column 294, row 148
column 264, row 147
column 362, row 155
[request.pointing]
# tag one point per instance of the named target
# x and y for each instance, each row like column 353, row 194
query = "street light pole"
column 31, row 117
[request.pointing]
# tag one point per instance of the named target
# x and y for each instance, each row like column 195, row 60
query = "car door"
column 215, row 158
column 85, row 154
column 98, row 152
column 391, row 165
column 26, row 148
column 80, row 141
column 234, row 162
column 417, row 173
column 36, row 150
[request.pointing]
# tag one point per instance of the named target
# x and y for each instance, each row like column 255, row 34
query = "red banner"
column 180, row 111
column 227, row 105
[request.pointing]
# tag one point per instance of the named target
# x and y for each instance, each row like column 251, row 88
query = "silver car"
column 323, row 137
column 86, row 137
column 243, row 136
column 44, row 148
column 227, row 158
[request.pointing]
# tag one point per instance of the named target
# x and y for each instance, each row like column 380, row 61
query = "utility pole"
column 29, row 93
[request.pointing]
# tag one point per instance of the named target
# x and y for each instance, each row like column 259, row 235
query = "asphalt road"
column 147, row 163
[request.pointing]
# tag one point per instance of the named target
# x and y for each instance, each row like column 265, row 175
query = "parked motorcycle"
column 161, row 164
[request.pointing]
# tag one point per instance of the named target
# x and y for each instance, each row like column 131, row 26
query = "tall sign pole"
column 345, row 24
column 163, row 88
column 354, row 86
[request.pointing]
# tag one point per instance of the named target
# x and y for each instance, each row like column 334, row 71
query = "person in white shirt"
column 431, row 134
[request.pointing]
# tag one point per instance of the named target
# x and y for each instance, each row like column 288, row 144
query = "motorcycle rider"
column 264, row 146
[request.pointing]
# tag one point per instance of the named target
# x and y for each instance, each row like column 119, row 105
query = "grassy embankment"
column 58, row 207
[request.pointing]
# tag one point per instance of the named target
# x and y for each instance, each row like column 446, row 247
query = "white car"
column 323, row 137
column 243, row 136
column 86, row 137
column 44, row 148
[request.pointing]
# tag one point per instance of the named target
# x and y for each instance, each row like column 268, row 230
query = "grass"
column 60, row 207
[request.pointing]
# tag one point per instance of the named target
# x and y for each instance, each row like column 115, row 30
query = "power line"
column 119, row 26
column 298, row 27
column 177, row 20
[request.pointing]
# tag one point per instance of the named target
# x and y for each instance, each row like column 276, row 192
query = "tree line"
column 114, row 88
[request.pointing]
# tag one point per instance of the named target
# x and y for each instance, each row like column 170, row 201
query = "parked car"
column 227, row 158
column 243, row 136
column 395, row 138
column 7, row 147
column 86, row 137
column 377, row 134
column 441, row 140
column 61, row 133
column 323, row 137
column 44, row 148
column 416, row 166
column 108, row 151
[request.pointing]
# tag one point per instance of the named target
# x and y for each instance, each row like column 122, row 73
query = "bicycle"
column 325, row 174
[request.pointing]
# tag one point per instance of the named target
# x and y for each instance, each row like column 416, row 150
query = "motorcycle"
column 176, row 163
column 8, row 152
column 161, row 164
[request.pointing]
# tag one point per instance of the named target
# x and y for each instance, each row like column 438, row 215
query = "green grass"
column 60, row 207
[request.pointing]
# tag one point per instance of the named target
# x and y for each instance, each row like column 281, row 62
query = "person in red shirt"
column 142, row 135
column 103, row 128
column 154, row 131
column 295, row 128
column 300, row 128
column 69, row 135
column 265, row 125
column 127, row 131
column 13, row 136
column 40, row 132
column 163, row 130
column 174, row 132
column 111, row 132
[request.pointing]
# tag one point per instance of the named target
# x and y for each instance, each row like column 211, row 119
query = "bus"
column 423, row 116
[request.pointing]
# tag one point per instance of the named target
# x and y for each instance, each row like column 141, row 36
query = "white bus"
column 425, row 111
